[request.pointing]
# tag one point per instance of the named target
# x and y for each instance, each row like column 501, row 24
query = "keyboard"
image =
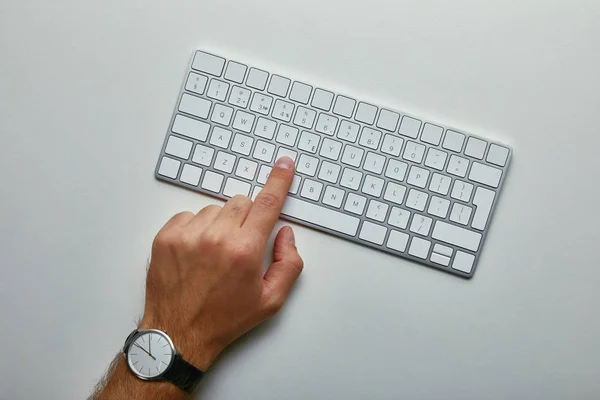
column 373, row 175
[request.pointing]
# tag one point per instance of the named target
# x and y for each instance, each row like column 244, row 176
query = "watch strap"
column 183, row 374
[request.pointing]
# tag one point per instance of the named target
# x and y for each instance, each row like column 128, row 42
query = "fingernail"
column 285, row 163
column 288, row 235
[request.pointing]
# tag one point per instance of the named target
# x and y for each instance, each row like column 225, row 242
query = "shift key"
column 457, row 236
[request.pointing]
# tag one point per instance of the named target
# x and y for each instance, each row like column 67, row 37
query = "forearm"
column 119, row 383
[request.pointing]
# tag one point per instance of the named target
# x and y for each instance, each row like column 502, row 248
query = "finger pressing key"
column 269, row 202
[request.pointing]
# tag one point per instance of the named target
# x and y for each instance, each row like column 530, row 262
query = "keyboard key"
column 443, row 250
column 234, row 187
column 169, row 167
column 203, row 155
column 351, row 179
column 326, row 124
column 265, row 128
column 279, row 85
column 396, row 170
column 399, row 218
column 333, row 196
column 410, row 127
column 432, row 134
column 355, row 204
column 217, row 90
column 263, row 174
column 261, row 103
column 366, row 113
column 374, row 163
column 438, row 207
column 461, row 191
column 283, row 110
column 344, row 106
column 483, row 200
column 460, row 214
column 372, row 233
column 483, row 174
column 224, row 162
column 194, row 105
column 463, row 262
column 321, row 216
column 307, row 165
column 300, row 92
column 348, row 131
column 308, row 142
column 397, row 241
column 414, row 152
column 287, row 135
column 220, row 137
column 373, row 186
column 191, row 128
column 322, row 99
column 221, row 114
column 419, row 248
column 394, row 193
column 418, row 177
column 416, row 200
column 178, row 147
column 436, row 159
column 329, row 172
column 311, row 189
column 190, row 175
column 497, row 155
column 242, row 144
column 295, row 185
column 235, row 72
column 456, row 236
column 208, row 63
column 243, row 121
column 458, row 166
column 196, row 83
column 421, row 225
column 264, row 151
column 370, row 138
column 257, row 79
column 388, row 120
column 352, row 156
column 331, row 149
column 305, row 117
column 475, row 148
column 212, row 181
column 283, row 152
column 392, row 145
column 246, row 169
column 440, row 184
column 440, row 259
column 239, row 97
column 377, row 210
column 453, row 141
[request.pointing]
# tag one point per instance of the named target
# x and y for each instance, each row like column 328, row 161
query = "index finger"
column 267, row 206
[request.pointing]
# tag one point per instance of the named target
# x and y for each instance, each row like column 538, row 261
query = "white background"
column 86, row 94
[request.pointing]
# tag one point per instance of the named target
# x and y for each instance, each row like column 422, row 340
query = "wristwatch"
column 151, row 356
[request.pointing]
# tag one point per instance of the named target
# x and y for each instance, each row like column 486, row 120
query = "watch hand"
column 150, row 344
column 145, row 351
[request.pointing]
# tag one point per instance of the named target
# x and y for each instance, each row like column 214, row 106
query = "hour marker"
column 165, row 345
column 143, row 339
column 150, row 337
column 163, row 362
column 157, row 369
column 133, row 354
column 166, row 354
column 136, row 362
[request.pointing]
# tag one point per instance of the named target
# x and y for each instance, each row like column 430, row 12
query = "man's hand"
column 205, row 285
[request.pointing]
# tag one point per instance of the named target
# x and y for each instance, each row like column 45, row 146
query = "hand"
column 205, row 285
column 145, row 351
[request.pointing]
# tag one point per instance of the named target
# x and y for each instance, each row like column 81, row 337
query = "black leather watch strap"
column 183, row 375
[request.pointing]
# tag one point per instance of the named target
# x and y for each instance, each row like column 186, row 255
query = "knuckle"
column 212, row 208
column 212, row 239
column 166, row 240
column 267, row 201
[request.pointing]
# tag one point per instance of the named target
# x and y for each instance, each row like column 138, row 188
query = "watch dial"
column 150, row 354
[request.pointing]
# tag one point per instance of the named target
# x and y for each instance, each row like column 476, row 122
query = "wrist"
column 194, row 349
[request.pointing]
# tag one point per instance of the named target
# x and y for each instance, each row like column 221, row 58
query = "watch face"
column 150, row 354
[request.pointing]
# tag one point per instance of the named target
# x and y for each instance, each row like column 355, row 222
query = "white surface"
column 82, row 84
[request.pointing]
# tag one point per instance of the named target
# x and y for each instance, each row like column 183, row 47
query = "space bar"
column 320, row 216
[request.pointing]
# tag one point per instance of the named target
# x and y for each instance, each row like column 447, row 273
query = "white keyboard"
column 365, row 173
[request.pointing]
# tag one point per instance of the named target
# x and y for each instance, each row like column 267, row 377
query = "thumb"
column 283, row 273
